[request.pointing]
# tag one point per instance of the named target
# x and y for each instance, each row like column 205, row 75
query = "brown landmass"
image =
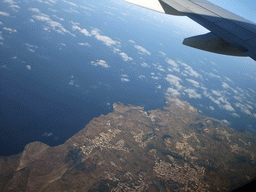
column 174, row 149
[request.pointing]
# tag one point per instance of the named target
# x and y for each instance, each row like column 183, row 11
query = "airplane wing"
column 230, row 34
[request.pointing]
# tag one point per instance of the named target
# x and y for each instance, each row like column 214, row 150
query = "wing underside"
column 230, row 33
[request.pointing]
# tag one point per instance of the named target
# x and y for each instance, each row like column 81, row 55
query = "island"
column 171, row 149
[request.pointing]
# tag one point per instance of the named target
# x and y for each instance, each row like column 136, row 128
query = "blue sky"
column 244, row 8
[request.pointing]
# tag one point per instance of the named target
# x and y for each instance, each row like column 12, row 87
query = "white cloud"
column 226, row 122
column 162, row 53
column 141, row 49
column 174, row 65
column 212, row 108
column 86, row 8
column 251, row 90
column 225, row 85
column 214, row 75
column 173, row 92
column 159, row 67
column 194, row 83
column 1, row 37
column 125, row 56
column 142, row 76
column 4, row 14
column 12, row 4
column 176, row 101
column 36, row 10
column 70, row 3
column 192, row 72
column 71, row 82
column 56, row 26
column 235, row 115
column 217, row 93
column 189, row 70
column 171, row 62
column 84, row 44
column 192, row 94
column 228, row 107
column 28, row 67
column 10, row 30
column 228, row 79
column 31, row 48
column 243, row 108
column 105, row 39
column 100, row 63
column 83, row 31
column 174, row 80
column 124, row 80
column 131, row 41
column 108, row 13
column 144, row 64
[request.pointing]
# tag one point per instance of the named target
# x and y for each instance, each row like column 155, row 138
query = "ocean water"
column 52, row 93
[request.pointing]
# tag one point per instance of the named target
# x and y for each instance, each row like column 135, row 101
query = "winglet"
column 212, row 43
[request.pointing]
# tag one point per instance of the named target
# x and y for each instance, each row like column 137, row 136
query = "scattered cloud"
column 28, row 67
column 159, row 67
column 226, row 122
column 10, row 30
column 36, row 10
column 141, row 49
column 47, row 134
column 174, row 80
column 70, row 3
column 142, row 76
column 4, row 14
column 12, row 4
column 108, row 13
column 124, row 79
column 189, row 70
column 243, row 108
column 217, row 93
column 86, row 8
column 172, row 92
column 105, row 39
column 144, row 64
column 171, row 62
column 100, row 63
column 176, row 101
column 131, row 41
column 174, row 65
column 1, row 37
column 228, row 107
column 192, row 94
column 122, row 54
column 162, row 53
column 225, row 85
column 84, row 44
column 83, row 31
column 125, row 56
column 194, row 83
column 235, row 115
column 54, row 25
column 31, row 48
column 214, row 75
column 211, row 108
